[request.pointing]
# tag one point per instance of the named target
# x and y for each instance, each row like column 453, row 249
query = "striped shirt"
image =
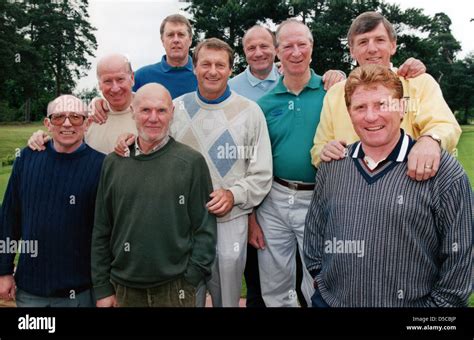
column 379, row 239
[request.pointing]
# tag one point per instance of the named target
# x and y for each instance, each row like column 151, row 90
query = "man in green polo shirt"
column 292, row 112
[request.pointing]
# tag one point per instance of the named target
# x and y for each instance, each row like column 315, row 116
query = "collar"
column 157, row 147
column 167, row 67
column 254, row 81
column 315, row 82
column 218, row 100
column 398, row 154
column 79, row 148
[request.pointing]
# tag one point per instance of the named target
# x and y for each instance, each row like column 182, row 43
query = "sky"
column 132, row 27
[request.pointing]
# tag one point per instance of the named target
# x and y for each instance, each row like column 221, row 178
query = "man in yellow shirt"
column 428, row 119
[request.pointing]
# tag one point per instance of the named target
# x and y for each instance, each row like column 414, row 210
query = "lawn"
column 16, row 136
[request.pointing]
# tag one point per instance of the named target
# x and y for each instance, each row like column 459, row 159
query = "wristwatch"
column 434, row 137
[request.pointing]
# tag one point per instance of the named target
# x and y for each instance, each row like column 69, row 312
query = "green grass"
column 12, row 138
column 465, row 151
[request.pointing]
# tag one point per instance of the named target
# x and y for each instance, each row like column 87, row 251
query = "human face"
column 212, row 71
column 67, row 137
column 376, row 117
column 153, row 113
column 115, row 83
column 259, row 51
column 374, row 47
column 176, row 41
column 294, row 49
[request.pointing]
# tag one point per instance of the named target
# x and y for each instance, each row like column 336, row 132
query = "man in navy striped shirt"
column 373, row 236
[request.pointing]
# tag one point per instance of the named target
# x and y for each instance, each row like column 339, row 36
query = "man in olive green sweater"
column 153, row 239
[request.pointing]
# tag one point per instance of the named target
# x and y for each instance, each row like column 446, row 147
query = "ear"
column 393, row 47
column 47, row 124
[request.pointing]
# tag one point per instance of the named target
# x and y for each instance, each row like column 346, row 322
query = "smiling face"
column 66, row 136
column 374, row 47
column 294, row 49
column 152, row 110
column 176, row 41
column 212, row 71
column 259, row 51
column 115, row 81
column 375, row 118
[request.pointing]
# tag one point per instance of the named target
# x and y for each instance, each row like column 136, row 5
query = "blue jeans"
column 83, row 299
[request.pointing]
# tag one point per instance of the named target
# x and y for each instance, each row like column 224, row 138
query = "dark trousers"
column 252, row 279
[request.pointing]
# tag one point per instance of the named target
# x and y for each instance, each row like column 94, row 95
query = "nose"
column 371, row 115
column 371, row 47
column 295, row 50
column 153, row 116
column 258, row 52
column 67, row 122
column 213, row 70
column 115, row 87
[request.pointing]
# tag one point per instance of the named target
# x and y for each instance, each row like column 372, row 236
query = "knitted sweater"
column 50, row 200
column 152, row 227
column 103, row 137
column 233, row 137
column 383, row 240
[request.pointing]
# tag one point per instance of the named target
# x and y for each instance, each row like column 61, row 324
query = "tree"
column 45, row 45
column 60, row 31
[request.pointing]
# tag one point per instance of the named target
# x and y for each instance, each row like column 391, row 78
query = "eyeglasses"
column 59, row 118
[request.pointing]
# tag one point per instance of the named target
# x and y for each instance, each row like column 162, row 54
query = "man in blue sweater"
column 49, row 211
column 175, row 70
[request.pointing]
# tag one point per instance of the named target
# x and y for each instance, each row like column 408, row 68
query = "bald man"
column 153, row 238
column 116, row 79
column 48, row 210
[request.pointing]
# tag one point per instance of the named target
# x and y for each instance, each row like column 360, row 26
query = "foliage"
column 44, row 51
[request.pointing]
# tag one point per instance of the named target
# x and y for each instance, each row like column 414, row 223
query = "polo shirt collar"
column 218, row 100
column 398, row 154
column 254, row 81
column 314, row 83
column 167, row 67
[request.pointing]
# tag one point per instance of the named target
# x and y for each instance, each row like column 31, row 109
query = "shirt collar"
column 224, row 96
column 254, row 81
column 314, row 82
column 79, row 148
column 167, row 67
column 157, row 147
column 398, row 154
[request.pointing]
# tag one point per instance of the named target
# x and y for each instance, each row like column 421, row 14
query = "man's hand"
column 334, row 150
column 122, row 144
column 221, row 202
column 332, row 77
column 107, row 302
column 255, row 233
column 411, row 68
column 423, row 159
column 37, row 140
column 7, row 287
column 100, row 110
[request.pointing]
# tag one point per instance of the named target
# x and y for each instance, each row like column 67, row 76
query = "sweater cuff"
column 193, row 275
column 6, row 269
column 239, row 195
column 104, row 291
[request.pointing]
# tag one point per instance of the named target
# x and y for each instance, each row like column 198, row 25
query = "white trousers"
column 282, row 218
column 225, row 283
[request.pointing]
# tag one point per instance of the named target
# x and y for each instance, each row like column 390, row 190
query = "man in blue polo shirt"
column 175, row 70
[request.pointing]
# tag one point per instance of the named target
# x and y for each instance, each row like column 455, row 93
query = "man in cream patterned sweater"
column 231, row 132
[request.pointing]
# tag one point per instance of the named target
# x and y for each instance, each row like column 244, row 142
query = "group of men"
column 208, row 170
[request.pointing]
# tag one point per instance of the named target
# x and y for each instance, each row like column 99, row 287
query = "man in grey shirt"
column 373, row 236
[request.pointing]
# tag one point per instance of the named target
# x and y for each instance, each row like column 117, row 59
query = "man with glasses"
column 49, row 206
